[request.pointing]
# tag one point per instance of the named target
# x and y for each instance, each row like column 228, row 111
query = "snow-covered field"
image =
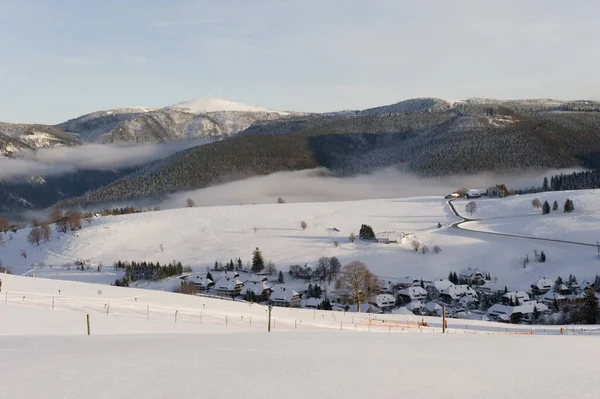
column 200, row 236
column 140, row 347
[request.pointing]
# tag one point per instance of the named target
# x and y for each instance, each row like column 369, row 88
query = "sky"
column 63, row 58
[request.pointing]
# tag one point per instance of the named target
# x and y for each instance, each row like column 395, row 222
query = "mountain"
column 16, row 137
column 467, row 137
column 182, row 121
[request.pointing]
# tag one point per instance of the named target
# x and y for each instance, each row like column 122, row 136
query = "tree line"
column 135, row 271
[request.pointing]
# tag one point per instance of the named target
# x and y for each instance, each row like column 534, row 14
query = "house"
column 433, row 309
column 514, row 297
column 476, row 193
column 384, row 301
column 387, row 286
column 413, row 293
column 468, row 302
column 435, row 288
column 523, row 312
column 260, row 290
column 416, row 306
column 313, row 303
column 228, row 286
column 201, row 282
column 455, row 292
column 405, row 282
column 472, row 276
column 541, row 286
column 364, row 308
column 563, row 289
column 549, row 297
column 285, row 297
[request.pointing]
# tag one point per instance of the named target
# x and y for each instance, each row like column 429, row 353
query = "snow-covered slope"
column 200, row 236
column 206, row 105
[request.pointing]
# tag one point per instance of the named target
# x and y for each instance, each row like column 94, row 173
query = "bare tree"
column 303, row 225
column 334, row 268
column 35, row 222
column 4, row 224
column 424, row 249
column 437, row 249
column 88, row 217
column 190, row 203
column 536, row 203
column 280, row 200
column 61, row 225
column 352, row 237
column 74, row 219
column 471, row 207
column 34, row 236
column 416, row 245
column 46, row 231
column 270, row 268
column 357, row 281
column 323, row 267
column 55, row 215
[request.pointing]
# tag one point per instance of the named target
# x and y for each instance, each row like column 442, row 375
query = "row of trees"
column 135, row 271
column 568, row 206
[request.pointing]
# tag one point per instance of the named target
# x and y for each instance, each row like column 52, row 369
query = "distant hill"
column 467, row 137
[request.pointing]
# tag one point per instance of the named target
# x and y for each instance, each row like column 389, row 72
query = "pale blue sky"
column 63, row 58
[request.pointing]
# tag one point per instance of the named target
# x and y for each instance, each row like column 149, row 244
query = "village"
column 471, row 294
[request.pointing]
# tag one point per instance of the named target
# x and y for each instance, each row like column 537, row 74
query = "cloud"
column 61, row 160
column 136, row 60
column 319, row 185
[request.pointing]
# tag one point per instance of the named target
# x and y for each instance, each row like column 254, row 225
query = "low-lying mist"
column 319, row 185
column 61, row 160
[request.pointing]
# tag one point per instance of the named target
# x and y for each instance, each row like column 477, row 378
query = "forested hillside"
column 469, row 138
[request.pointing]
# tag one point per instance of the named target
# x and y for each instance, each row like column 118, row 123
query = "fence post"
column 107, row 308
column 295, row 324
column 52, row 303
column 200, row 317
column 444, row 319
column 250, row 321
column 226, row 320
column 6, row 298
column 88, row 324
column 269, row 325
column 177, row 311
column 147, row 312
column 341, row 322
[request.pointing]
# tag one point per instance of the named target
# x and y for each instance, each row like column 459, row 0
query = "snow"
column 204, row 105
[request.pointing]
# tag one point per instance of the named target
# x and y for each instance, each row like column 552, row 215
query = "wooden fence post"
column 88, row 324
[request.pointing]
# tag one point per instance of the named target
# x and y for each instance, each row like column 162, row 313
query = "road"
column 459, row 225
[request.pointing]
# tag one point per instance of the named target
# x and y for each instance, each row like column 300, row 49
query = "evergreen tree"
column 439, row 225
column 542, row 257
column 258, row 264
column 505, row 289
column 366, row 232
column 536, row 313
column 555, row 206
column 546, row 208
column 555, row 305
column 280, row 278
column 239, row 264
column 209, row 276
column 590, row 307
column 568, row 207
column 559, row 281
column 545, row 185
column 325, row 305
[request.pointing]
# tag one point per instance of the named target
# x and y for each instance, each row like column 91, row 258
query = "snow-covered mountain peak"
column 204, row 105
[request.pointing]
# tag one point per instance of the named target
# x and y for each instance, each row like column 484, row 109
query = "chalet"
column 416, row 307
column 472, row 276
column 549, row 297
column 563, row 289
column 476, row 193
column 260, row 290
column 313, row 303
column 514, row 297
column 433, row 309
column 435, row 288
column 455, row 292
column 522, row 312
column 468, row 302
column 405, row 282
column 413, row 293
column 364, row 308
column 228, row 286
column 384, row 301
column 541, row 286
column 285, row 297
column 201, row 282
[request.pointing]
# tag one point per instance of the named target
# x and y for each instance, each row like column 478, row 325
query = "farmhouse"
column 413, row 293
column 549, row 297
column 514, row 297
column 455, row 292
column 541, row 286
column 313, row 303
column 472, row 276
column 260, row 290
column 285, row 297
column 228, row 286
column 384, row 301
column 476, row 193
column 201, row 282
column 522, row 312
column 435, row 288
